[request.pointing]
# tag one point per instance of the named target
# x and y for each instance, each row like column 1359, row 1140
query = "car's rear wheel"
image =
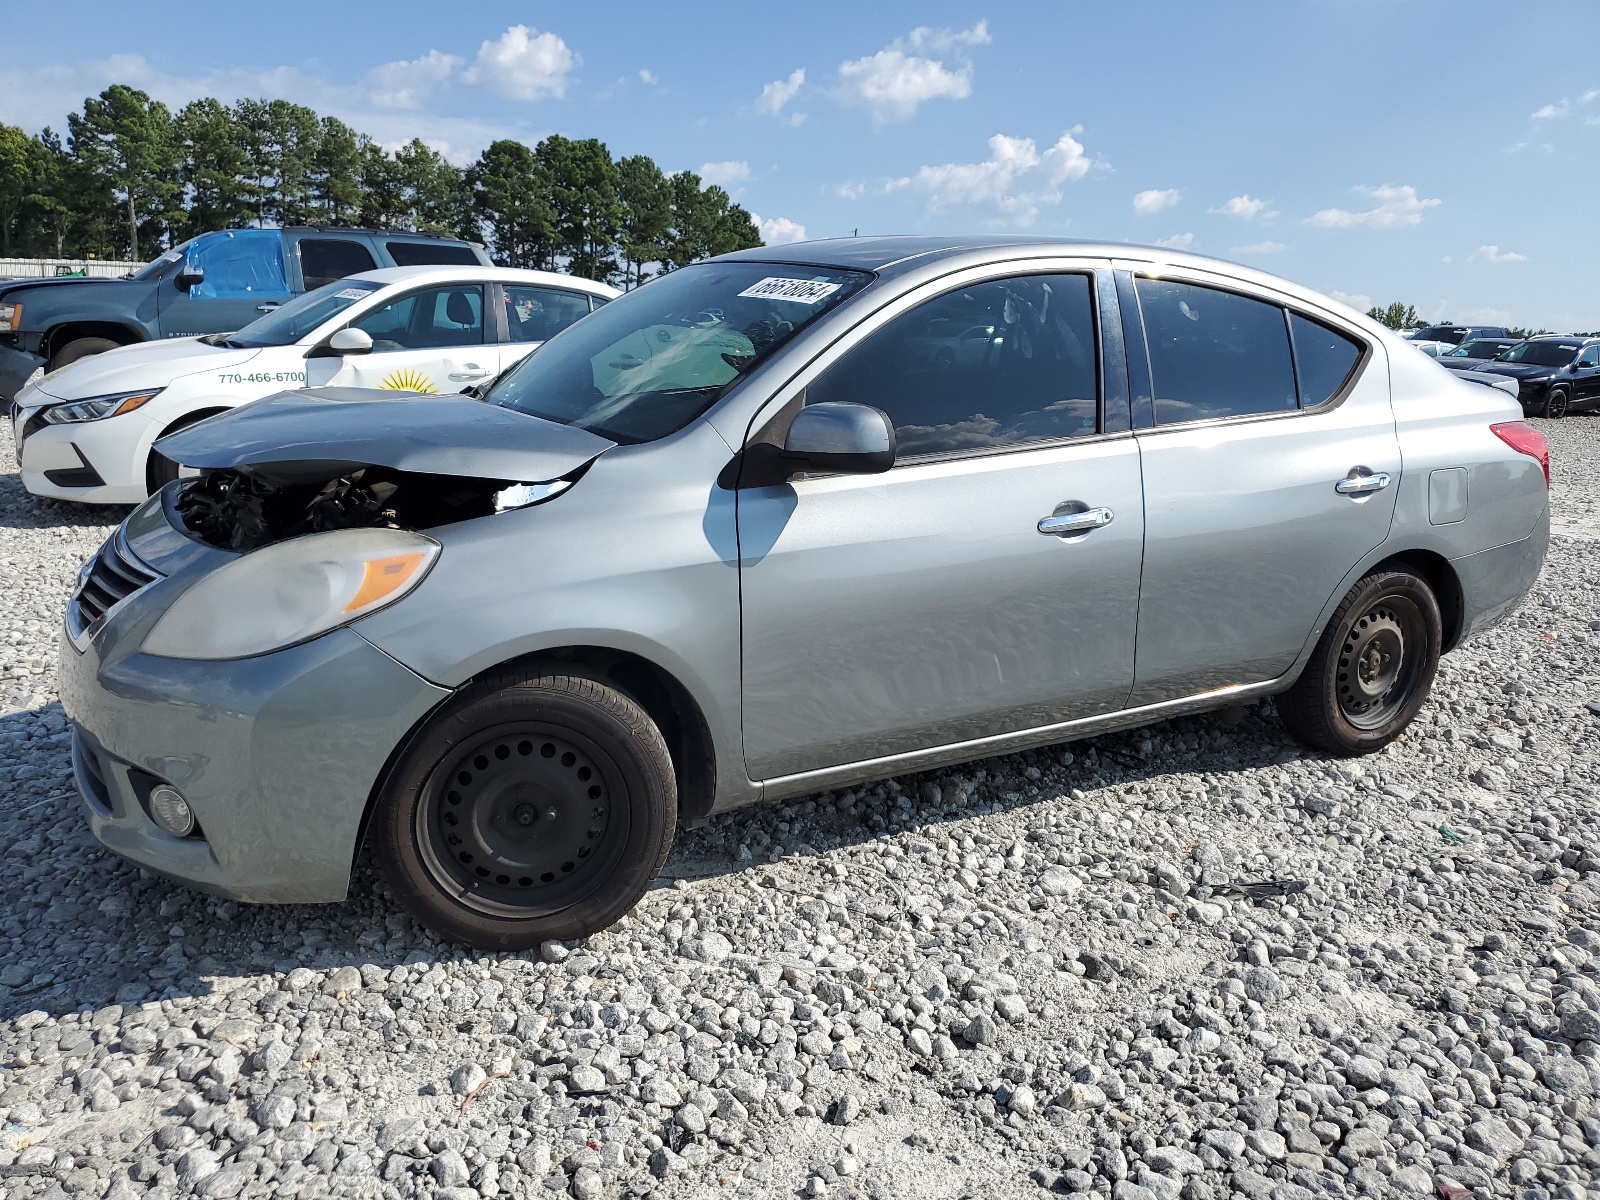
column 1555, row 404
column 535, row 807
column 79, row 348
column 1372, row 668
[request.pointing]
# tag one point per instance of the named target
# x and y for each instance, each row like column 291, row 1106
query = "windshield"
column 287, row 325
column 1541, row 354
column 650, row 362
column 151, row 269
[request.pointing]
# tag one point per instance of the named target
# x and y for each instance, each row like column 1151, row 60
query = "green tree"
column 282, row 140
column 16, row 169
column 646, row 202
column 334, row 180
column 1396, row 316
column 129, row 138
column 584, row 206
column 705, row 222
column 215, row 169
column 510, row 196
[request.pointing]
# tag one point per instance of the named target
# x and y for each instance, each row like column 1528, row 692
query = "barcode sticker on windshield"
column 350, row 293
column 800, row 291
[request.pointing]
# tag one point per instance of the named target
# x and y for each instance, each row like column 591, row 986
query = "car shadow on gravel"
column 102, row 931
column 21, row 510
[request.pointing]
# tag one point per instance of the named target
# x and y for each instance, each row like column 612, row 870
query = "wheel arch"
column 183, row 420
column 61, row 334
column 1446, row 585
column 656, row 690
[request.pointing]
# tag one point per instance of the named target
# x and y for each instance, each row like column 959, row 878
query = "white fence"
column 49, row 268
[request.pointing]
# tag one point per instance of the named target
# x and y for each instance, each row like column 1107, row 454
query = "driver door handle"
column 1066, row 524
column 270, row 306
column 1361, row 482
column 468, row 371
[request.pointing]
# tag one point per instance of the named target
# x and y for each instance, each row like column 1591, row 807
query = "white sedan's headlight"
column 291, row 592
column 96, row 407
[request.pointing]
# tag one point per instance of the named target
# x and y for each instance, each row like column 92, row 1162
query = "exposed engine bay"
column 235, row 510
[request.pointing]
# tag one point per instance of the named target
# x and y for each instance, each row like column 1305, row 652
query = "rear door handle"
column 1361, row 482
column 470, row 371
column 1066, row 524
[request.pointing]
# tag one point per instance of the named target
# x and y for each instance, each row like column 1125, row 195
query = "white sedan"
column 86, row 432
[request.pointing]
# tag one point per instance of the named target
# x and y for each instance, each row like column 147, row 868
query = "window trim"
column 427, row 287
column 1288, row 306
column 767, row 428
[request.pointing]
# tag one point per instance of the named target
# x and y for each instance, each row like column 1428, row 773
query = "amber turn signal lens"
column 382, row 576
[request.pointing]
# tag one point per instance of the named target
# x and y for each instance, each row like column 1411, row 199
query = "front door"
column 244, row 277
column 889, row 613
column 431, row 340
column 1271, row 469
column 1586, row 378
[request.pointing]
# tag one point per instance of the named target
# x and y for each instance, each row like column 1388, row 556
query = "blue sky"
column 1447, row 154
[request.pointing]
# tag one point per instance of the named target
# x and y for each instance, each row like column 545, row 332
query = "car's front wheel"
column 534, row 807
column 1372, row 668
column 1555, row 405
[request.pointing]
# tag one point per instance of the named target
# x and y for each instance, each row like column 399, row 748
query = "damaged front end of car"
column 320, row 460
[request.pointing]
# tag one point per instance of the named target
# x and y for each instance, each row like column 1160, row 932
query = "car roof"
column 476, row 272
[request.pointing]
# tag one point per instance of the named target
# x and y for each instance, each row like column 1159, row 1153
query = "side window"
column 243, row 264
column 1590, row 357
column 322, row 260
column 430, row 254
column 536, row 314
column 1323, row 359
column 996, row 364
column 1214, row 354
column 428, row 320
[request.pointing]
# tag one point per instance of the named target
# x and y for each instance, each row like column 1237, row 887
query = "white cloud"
column 407, row 84
column 722, row 174
column 779, row 92
column 524, row 64
column 1245, row 207
column 779, row 231
column 849, row 190
column 1359, row 301
column 1014, row 181
column 648, row 78
column 1591, row 94
column 892, row 83
column 1493, row 254
column 1267, row 247
column 1155, row 199
column 1396, row 206
column 1178, row 241
column 1550, row 111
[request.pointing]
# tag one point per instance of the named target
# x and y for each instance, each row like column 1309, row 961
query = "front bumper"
column 277, row 755
column 17, row 362
column 91, row 462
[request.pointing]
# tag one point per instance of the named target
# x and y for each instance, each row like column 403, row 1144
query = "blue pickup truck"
column 215, row 283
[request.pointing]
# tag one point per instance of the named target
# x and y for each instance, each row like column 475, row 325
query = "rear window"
column 431, row 254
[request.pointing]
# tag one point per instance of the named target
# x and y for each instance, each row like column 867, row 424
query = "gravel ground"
column 1188, row 961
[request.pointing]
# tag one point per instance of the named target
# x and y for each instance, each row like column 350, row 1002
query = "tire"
column 516, row 756
column 1372, row 668
column 79, row 348
column 1555, row 404
column 159, row 470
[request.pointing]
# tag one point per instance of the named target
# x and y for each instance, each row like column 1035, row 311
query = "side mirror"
column 851, row 439
column 190, row 275
column 350, row 341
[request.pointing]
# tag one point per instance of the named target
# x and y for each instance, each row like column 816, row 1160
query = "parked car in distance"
column 1431, row 349
column 1454, row 334
column 87, row 431
column 1498, row 382
column 1471, row 355
column 738, row 536
column 213, row 283
column 1555, row 375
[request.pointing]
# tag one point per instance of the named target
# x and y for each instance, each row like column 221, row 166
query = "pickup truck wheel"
column 533, row 808
column 1555, row 404
column 79, row 348
column 1372, row 668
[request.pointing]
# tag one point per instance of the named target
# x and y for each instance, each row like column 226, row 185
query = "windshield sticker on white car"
column 799, row 291
column 352, row 293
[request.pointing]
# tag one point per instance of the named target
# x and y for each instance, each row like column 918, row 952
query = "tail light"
column 1525, row 439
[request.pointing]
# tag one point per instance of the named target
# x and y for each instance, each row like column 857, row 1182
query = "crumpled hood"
column 143, row 364
column 315, row 433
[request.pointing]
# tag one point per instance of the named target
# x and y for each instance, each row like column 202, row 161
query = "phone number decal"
column 265, row 377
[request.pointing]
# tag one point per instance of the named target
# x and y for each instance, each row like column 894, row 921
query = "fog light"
column 170, row 810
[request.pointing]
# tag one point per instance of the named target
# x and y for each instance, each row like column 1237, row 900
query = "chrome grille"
column 108, row 579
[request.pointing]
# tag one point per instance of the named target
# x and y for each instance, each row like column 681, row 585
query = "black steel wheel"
column 1372, row 668
column 1555, row 404
column 532, row 808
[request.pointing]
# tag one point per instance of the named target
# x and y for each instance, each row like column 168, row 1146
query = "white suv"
column 87, row 431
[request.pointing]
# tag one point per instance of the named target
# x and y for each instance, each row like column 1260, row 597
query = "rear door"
column 533, row 315
column 1270, row 467
column 430, row 340
column 325, row 258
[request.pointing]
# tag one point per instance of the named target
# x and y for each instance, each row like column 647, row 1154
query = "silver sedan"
column 775, row 523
